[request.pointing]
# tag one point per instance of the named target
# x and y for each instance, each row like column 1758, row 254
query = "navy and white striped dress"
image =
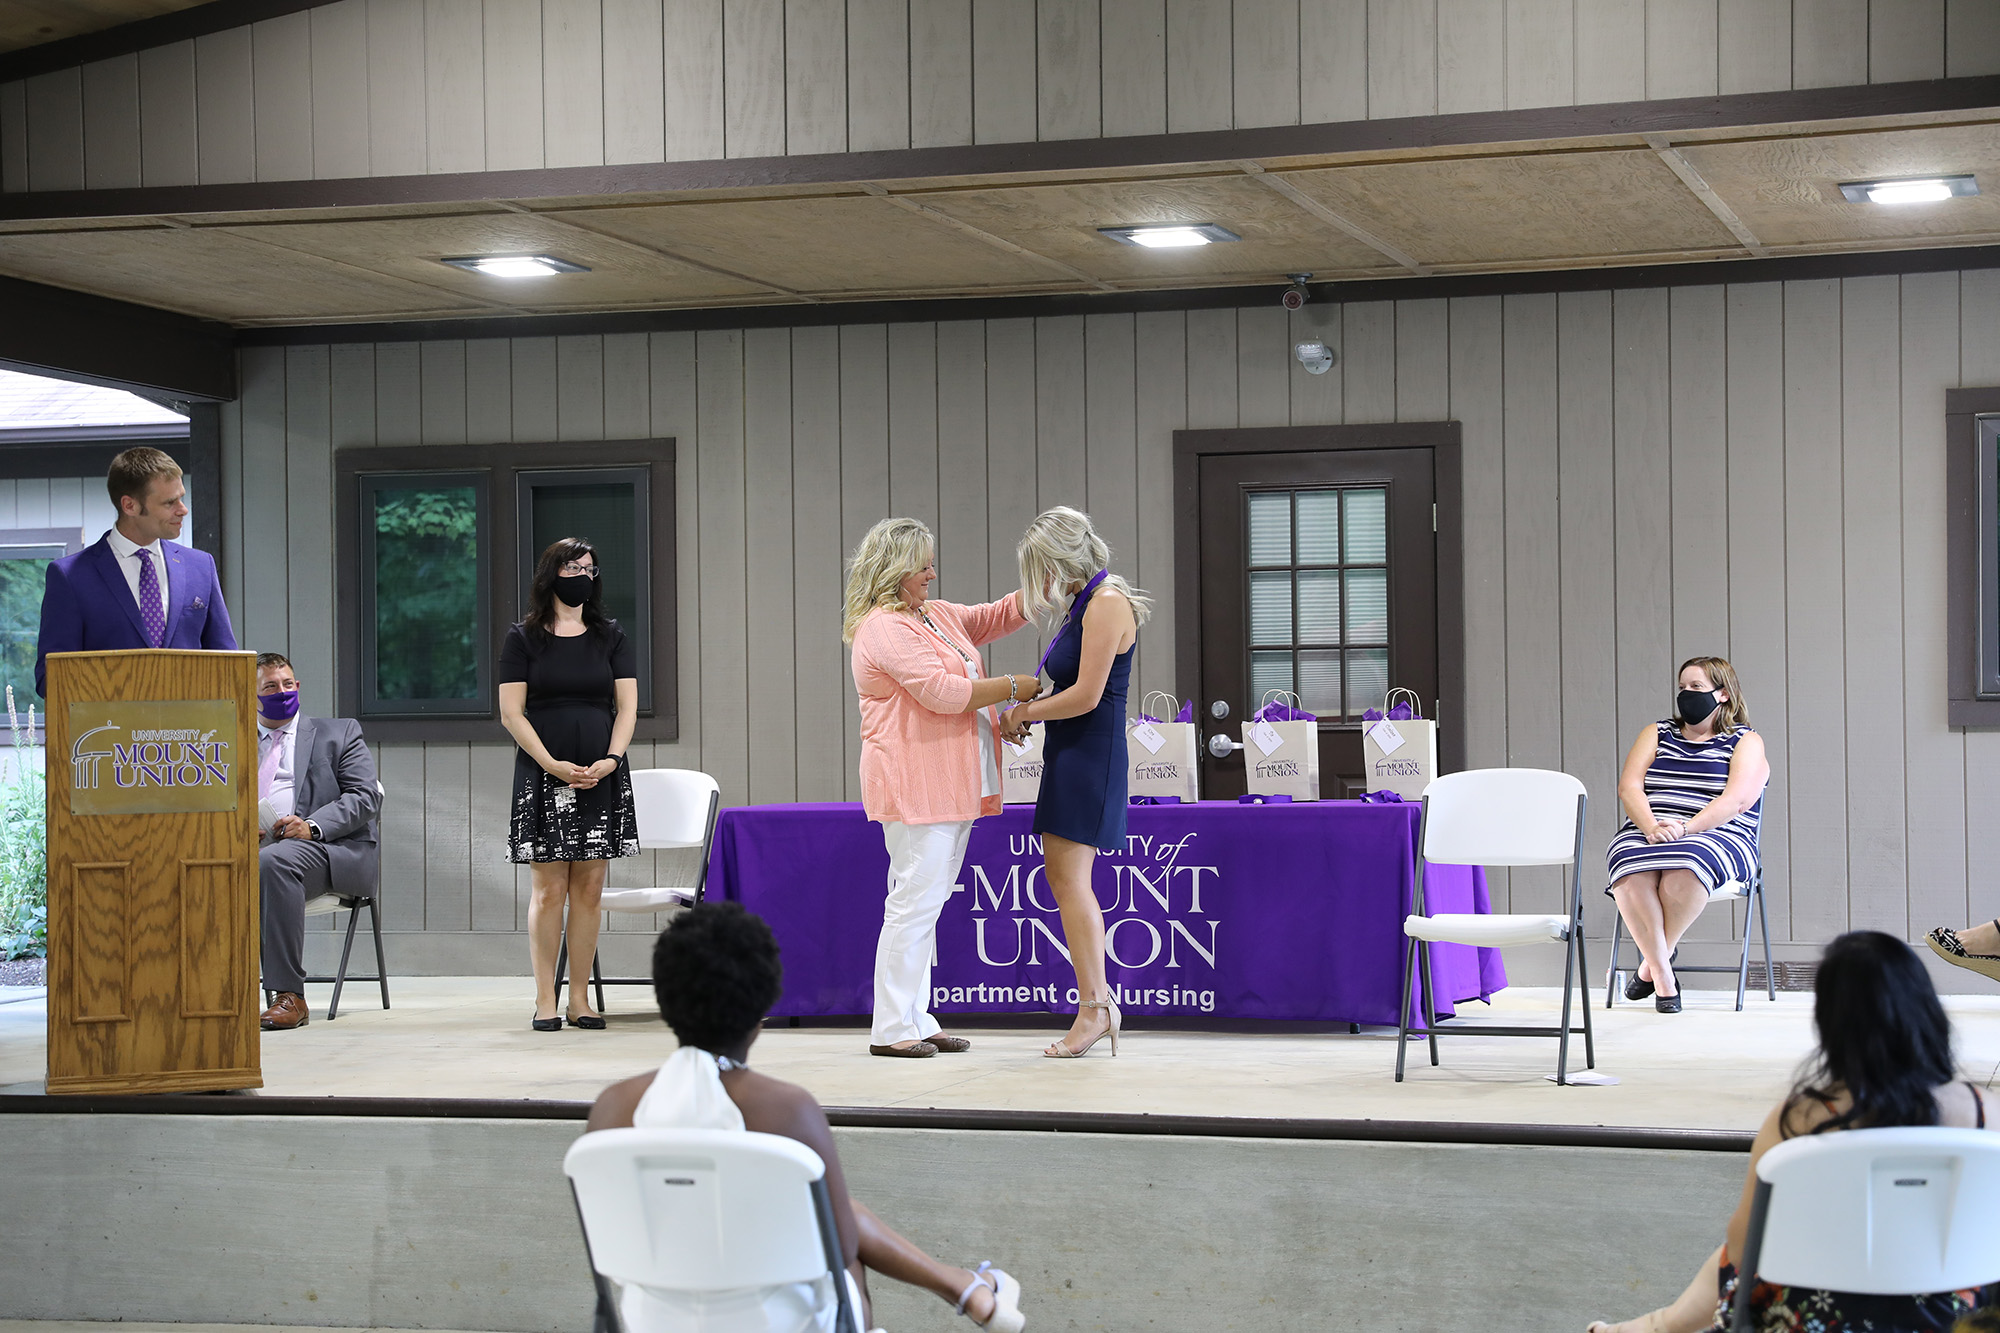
column 1685, row 776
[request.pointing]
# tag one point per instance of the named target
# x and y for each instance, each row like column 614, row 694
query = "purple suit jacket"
column 88, row 607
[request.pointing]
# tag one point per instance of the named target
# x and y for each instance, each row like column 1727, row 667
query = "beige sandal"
column 1058, row 1050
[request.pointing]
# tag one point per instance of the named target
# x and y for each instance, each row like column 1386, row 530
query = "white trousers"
column 923, row 865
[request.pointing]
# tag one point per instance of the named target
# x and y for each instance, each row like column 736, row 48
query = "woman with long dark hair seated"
column 716, row 973
column 1884, row 1059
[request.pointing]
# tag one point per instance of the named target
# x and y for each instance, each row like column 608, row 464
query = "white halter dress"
column 687, row 1093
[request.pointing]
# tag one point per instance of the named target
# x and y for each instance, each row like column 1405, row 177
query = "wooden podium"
column 153, row 909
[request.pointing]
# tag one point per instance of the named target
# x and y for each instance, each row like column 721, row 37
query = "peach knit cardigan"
column 919, row 748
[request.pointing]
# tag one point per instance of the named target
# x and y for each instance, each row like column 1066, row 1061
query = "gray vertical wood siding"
column 395, row 87
column 1753, row 471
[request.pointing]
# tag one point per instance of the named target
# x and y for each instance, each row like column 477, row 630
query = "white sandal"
column 1006, row 1316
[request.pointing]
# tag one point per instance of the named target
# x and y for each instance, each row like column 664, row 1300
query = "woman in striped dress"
column 1693, row 790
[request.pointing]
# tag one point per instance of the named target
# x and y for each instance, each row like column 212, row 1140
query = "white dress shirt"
column 127, row 552
column 283, row 787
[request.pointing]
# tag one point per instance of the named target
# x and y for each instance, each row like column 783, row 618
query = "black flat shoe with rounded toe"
column 1638, row 988
column 1667, row 1004
column 588, row 1022
column 546, row 1024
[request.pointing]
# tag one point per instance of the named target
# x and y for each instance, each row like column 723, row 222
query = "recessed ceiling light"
column 515, row 266
column 1170, row 235
column 1913, row 190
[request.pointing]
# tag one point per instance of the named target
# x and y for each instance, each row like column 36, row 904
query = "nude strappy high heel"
column 1058, row 1051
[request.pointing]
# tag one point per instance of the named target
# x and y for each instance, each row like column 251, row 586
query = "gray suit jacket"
column 335, row 778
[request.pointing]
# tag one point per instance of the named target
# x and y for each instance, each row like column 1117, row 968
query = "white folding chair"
column 704, row 1210
column 1500, row 817
column 676, row 809
column 1885, row 1212
column 1752, row 893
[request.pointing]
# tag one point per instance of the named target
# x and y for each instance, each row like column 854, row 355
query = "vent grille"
column 1788, row 976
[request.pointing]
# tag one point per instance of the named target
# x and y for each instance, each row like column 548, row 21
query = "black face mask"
column 1694, row 706
column 575, row 588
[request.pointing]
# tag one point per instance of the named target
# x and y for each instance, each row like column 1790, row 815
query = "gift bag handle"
column 1416, row 704
column 1298, row 705
column 1171, row 711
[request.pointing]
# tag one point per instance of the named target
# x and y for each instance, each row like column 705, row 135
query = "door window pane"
column 1319, row 681
column 1269, row 671
column 1367, row 678
column 606, row 507
column 1270, row 528
column 23, row 575
column 1367, row 606
column 1319, row 527
column 425, row 624
column 1367, row 526
column 1319, row 606
column 1271, row 608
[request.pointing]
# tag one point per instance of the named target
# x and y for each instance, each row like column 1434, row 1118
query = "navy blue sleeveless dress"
column 1083, row 758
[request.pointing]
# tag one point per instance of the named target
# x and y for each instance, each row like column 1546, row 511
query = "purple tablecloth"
column 1217, row 909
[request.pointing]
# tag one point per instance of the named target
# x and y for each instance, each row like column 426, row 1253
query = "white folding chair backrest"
column 698, row 1209
column 1501, row 817
column 672, row 805
column 1883, row 1211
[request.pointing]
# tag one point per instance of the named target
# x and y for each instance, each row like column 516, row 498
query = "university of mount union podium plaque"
column 152, row 757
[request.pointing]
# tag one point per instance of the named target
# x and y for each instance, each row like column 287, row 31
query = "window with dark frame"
column 435, row 549
column 25, row 556
column 1318, row 597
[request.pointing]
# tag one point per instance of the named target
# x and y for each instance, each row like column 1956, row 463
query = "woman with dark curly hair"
column 716, row 973
column 1884, row 1059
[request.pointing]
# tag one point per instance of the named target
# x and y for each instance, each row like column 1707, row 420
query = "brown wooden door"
column 1318, row 574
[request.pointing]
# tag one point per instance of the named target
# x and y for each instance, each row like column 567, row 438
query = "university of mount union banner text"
column 156, row 757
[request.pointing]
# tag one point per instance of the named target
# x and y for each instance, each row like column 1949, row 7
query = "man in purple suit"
column 137, row 587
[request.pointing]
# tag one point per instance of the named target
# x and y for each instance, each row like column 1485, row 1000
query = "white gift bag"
column 1400, row 754
column 1162, row 755
column 1281, row 749
column 1021, row 768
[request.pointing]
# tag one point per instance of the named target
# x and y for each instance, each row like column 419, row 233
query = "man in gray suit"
column 319, row 781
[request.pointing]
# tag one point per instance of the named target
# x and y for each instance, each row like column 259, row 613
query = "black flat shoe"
column 588, row 1022
column 546, row 1024
column 1638, row 988
column 1668, row 1004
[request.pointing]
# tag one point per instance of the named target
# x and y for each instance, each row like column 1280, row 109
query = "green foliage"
column 24, row 849
column 426, row 593
column 21, row 583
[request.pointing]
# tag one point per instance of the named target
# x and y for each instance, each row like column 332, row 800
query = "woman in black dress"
column 569, row 696
column 1081, row 808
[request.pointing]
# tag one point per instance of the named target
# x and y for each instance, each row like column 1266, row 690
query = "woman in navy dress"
column 1693, row 792
column 1082, row 802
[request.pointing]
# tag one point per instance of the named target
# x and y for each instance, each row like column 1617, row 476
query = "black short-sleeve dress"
column 571, row 703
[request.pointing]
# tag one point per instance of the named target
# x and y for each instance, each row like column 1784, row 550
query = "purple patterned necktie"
column 150, row 614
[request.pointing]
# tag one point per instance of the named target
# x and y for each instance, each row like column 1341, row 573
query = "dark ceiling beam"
column 1599, row 279
column 72, row 335
column 1224, row 149
column 144, row 34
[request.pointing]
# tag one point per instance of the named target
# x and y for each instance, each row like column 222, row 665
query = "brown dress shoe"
column 288, row 1011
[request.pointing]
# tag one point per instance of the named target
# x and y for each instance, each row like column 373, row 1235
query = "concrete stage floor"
column 1708, row 1067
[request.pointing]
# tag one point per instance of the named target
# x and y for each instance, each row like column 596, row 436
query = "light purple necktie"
column 150, row 613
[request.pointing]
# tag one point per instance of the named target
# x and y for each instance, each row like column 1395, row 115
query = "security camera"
column 1317, row 358
column 1296, row 295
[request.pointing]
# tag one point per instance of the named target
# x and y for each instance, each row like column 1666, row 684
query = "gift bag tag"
column 1018, row 747
column 1265, row 737
column 1145, row 734
column 1386, row 737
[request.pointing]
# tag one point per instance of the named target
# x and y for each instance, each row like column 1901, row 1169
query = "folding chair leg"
column 597, row 975
column 1743, row 967
column 1403, row 1025
column 1764, row 925
column 340, row 977
column 1569, row 981
column 381, row 967
column 562, row 961
column 1617, row 938
column 1583, row 992
column 1430, row 996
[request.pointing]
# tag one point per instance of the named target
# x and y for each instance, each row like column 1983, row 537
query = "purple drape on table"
column 1290, row 912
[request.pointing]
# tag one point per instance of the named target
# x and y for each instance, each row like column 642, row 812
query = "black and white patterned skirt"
column 555, row 822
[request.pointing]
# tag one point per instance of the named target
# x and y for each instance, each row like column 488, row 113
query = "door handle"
column 1219, row 709
column 1222, row 747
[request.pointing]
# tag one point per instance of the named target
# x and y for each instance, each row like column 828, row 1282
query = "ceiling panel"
column 411, row 248
column 212, row 274
column 1061, row 221
column 832, row 246
column 1493, row 210
column 1787, row 191
column 26, row 23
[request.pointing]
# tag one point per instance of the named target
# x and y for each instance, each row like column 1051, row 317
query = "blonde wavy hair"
column 893, row 550
column 1058, row 549
column 1721, row 675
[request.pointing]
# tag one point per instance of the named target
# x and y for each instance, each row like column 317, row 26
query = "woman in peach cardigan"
column 930, row 755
